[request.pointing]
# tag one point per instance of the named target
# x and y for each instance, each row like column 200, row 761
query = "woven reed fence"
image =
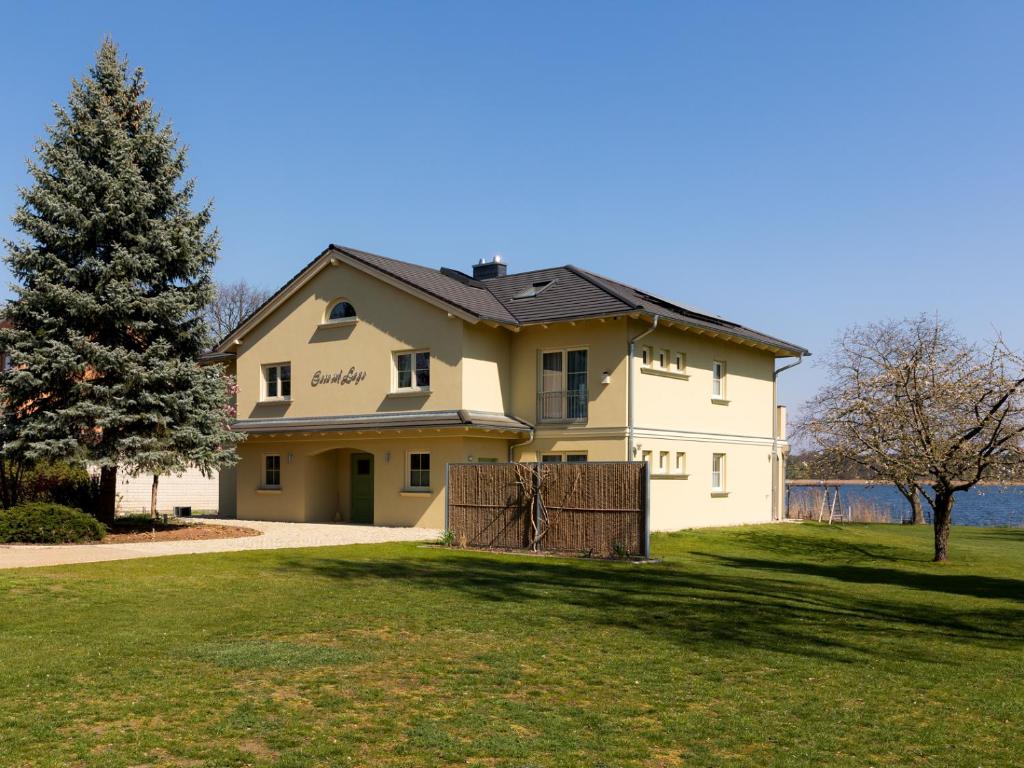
column 595, row 507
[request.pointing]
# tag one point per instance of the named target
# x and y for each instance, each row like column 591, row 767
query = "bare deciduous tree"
column 923, row 409
column 232, row 303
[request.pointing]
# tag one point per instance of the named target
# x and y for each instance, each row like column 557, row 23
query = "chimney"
column 485, row 270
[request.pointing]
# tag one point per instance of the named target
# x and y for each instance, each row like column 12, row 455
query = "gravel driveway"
column 275, row 536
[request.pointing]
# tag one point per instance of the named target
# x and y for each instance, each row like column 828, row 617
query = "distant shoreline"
column 815, row 483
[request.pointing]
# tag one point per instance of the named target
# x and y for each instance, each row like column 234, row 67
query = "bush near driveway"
column 46, row 523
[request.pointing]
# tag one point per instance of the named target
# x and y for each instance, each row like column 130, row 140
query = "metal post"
column 536, row 507
column 447, row 475
column 647, row 510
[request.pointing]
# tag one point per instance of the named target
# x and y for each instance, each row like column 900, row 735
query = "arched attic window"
column 341, row 310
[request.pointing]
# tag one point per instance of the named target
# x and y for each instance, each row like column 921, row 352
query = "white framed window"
column 558, row 458
column 272, row 471
column 647, row 356
column 680, row 463
column 718, row 379
column 663, row 462
column 717, row 472
column 679, row 361
column 562, row 389
column 340, row 312
column 418, row 470
column 663, row 358
column 647, row 456
column 412, row 371
column 277, row 381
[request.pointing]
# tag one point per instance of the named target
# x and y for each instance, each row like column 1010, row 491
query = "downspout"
column 631, row 394
column 512, row 448
column 776, row 461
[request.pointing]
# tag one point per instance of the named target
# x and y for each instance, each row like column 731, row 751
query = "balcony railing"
column 562, row 406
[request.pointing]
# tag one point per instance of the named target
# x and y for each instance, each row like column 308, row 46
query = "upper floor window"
column 679, row 361
column 412, row 371
column 563, row 386
column 277, row 381
column 341, row 310
column 718, row 380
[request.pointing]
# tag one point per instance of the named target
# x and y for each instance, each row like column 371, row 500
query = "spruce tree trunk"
column 942, row 522
column 152, row 498
column 108, row 495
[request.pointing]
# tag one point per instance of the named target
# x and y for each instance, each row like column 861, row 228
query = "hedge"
column 47, row 523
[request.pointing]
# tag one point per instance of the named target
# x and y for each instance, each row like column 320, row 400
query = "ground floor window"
column 558, row 458
column 681, row 462
column 718, row 472
column 419, row 470
column 272, row 471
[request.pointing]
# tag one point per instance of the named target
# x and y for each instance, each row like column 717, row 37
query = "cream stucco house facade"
column 363, row 377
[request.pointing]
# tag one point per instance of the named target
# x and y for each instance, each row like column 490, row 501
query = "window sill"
column 562, row 422
column 719, row 494
column 274, row 400
column 268, row 491
column 668, row 476
column 667, row 374
column 720, row 401
column 338, row 323
column 415, row 492
column 409, row 393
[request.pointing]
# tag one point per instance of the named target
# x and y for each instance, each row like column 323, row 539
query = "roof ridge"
column 600, row 283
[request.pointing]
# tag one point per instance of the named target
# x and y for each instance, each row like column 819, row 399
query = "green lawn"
column 787, row 645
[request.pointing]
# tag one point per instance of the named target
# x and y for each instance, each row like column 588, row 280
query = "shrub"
column 60, row 483
column 47, row 523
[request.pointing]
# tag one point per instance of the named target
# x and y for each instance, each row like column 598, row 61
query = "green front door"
column 362, row 488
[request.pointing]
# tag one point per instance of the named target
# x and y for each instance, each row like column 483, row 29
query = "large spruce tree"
column 112, row 276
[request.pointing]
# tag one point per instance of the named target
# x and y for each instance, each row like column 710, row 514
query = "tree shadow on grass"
column 830, row 546
column 697, row 610
column 965, row 585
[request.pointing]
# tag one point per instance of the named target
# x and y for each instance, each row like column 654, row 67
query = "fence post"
column 647, row 510
column 536, row 508
column 447, row 478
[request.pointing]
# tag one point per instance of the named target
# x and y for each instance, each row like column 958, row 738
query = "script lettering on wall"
column 351, row 376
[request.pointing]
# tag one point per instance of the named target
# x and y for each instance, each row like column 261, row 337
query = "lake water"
column 989, row 505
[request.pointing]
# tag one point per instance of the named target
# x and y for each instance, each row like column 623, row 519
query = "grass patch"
column 796, row 645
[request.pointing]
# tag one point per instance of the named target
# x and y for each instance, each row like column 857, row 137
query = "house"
column 364, row 376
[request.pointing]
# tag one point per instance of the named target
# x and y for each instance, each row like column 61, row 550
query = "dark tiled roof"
column 695, row 317
column 569, row 295
column 558, row 293
column 474, row 298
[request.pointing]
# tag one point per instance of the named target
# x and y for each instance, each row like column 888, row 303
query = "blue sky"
column 795, row 166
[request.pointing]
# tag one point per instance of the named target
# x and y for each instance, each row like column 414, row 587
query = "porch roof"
column 460, row 419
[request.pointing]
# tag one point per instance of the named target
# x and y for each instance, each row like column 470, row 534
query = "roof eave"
column 330, row 256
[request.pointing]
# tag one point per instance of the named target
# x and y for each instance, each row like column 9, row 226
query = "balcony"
column 562, row 406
